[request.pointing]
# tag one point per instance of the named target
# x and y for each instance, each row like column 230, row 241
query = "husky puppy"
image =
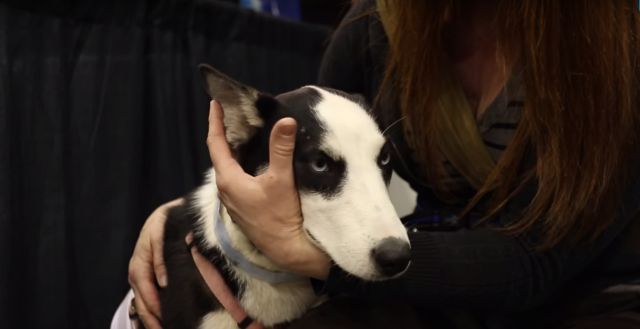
column 342, row 170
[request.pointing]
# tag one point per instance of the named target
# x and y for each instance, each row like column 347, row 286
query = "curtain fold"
column 102, row 118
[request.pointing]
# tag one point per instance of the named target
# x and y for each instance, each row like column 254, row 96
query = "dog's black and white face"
column 342, row 169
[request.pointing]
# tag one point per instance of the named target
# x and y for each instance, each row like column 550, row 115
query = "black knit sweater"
column 480, row 269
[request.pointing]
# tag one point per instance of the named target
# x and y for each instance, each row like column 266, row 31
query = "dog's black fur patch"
column 297, row 105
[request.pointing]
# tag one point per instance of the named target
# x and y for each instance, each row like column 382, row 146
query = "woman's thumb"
column 281, row 146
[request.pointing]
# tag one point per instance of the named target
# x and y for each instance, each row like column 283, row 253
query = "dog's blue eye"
column 319, row 165
column 385, row 158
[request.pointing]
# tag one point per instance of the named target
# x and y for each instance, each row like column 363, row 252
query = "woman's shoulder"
column 358, row 19
column 348, row 57
column 356, row 33
column 362, row 6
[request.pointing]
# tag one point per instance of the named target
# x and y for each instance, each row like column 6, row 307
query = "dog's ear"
column 241, row 116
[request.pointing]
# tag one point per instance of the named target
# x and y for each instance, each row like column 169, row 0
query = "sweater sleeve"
column 484, row 269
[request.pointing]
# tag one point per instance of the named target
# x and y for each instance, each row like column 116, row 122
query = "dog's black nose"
column 392, row 256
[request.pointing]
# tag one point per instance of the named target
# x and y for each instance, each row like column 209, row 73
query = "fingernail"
column 288, row 130
column 163, row 280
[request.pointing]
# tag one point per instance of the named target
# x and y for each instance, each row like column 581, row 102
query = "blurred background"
column 103, row 118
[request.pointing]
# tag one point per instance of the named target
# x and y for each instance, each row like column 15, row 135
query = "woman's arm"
column 485, row 269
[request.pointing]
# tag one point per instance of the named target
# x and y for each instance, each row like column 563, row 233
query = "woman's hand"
column 266, row 207
column 147, row 265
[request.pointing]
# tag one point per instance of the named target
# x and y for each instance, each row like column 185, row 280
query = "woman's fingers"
column 158, row 262
column 157, row 240
column 228, row 170
column 149, row 320
column 142, row 281
column 147, row 266
column 219, row 150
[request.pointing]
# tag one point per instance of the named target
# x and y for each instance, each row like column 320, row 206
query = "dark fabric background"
column 102, row 118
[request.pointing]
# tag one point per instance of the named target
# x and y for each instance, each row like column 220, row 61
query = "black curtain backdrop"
column 103, row 117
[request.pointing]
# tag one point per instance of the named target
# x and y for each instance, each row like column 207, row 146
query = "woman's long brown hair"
column 581, row 69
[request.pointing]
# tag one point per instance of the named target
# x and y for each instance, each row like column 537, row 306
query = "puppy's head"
column 342, row 169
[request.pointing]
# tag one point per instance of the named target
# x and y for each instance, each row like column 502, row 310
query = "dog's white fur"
column 347, row 226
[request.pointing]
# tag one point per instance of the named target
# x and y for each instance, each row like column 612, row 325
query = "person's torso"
column 617, row 266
